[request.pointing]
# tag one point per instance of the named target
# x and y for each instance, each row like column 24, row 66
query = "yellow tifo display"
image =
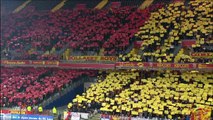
column 114, row 81
column 161, row 32
column 167, row 27
column 197, row 21
column 171, row 94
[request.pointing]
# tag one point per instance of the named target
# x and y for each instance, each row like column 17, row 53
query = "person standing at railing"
column 29, row 110
column 40, row 109
column 54, row 111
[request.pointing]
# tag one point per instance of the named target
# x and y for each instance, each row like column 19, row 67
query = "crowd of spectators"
column 30, row 86
column 161, row 94
column 163, row 33
column 32, row 32
column 149, row 94
column 86, row 29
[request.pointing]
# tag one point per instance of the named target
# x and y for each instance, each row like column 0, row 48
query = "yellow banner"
column 17, row 111
column 93, row 58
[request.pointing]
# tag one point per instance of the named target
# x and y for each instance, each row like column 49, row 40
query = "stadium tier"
column 39, row 35
column 30, row 86
column 161, row 94
column 34, row 32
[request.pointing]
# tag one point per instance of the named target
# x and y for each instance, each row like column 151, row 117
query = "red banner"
column 208, row 66
column 14, row 62
column 93, row 58
column 175, row 65
column 163, row 65
column 87, row 66
column 186, row 43
column 5, row 111
column 202, row 55
column 38, row 62
column 28, row 62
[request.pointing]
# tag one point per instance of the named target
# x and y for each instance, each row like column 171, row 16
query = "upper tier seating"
column 161, row 94
column 92, row 29
column 31, row 86
column 85, row 29
column 29, row 29
column 165, row 30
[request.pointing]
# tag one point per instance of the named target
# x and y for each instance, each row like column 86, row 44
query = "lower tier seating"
column 170, row 94
column 30, row 86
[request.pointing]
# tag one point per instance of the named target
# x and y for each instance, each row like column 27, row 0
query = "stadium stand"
column 170, row 94
column 167, row 75
column 33, row 85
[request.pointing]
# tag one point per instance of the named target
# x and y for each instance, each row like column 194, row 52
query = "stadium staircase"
column 59, row 6
column 101, row 4
column 22, row 6
column 145, row 4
